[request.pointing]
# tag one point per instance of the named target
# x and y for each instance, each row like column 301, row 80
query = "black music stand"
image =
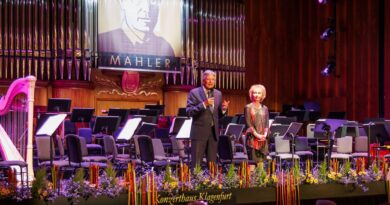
column 185, row 134
column 42, row 119
column 290, row 134
column 82, row 114
column 160, row 108
column 106, row 125
column 55, row 105
column 176, row 125
column 328, row 129
column 48, row 128
column 122, row 113
column 146, row 129
column 148, row 112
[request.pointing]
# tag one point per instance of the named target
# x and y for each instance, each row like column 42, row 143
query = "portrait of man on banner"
column 141, row 27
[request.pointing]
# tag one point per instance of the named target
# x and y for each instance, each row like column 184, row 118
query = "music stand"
column 122, row 113
column 128, row 130
column 278, row 129
column 58, row 105
column 146, row 129
column 328, row 129
column 48, row 127
column 185, row 134
column 134, row 111
column 148, row 112
column 82, row 114
column 176, row 125
column 42, row 119
column 290, row 134
column 160, row 108
column 106, row 124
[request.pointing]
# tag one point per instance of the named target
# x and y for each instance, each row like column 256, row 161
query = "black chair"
column 163, row 135
column 302, row 147
column 147, row 153
column 75, row 154
column 225, row 152
column 70, row 127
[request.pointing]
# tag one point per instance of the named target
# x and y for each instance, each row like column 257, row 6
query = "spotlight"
column 328, row 69
column 322, row 1
column 328, row 32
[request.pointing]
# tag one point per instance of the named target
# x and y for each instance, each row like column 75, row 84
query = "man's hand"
column 225, row 104
column 209, row 102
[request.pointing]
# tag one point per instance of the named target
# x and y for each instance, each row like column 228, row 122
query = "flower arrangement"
column 231, row 179
column 7, row 190
column 170, row 182
column 42, row 188
column 146, row 185
column 109, row 184
column 308, row 177
column 77, row 187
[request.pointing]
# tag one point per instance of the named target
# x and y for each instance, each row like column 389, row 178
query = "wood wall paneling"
column 285, row 53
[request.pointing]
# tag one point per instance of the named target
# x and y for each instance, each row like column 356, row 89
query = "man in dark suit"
column 205, row 106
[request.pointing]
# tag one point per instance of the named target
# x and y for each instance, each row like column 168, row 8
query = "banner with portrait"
column 139, row 35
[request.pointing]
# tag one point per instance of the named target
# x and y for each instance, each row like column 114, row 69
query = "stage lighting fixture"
column 322, row 1
column 328, row 69
column 328, row 32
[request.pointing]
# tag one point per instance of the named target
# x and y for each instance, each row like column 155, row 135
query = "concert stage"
column 339, row 193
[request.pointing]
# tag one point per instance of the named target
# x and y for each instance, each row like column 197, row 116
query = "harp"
column 16, row 122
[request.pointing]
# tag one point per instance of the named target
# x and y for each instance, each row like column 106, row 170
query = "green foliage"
column 79, row 176
column 347, row 167
column 198, row 169
column 231, row 179
column 260, row 175
column 168, row 174
column 39, row 183
column 296, row 170
column 111, row 174
column 374, row 167
column 323, row 172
